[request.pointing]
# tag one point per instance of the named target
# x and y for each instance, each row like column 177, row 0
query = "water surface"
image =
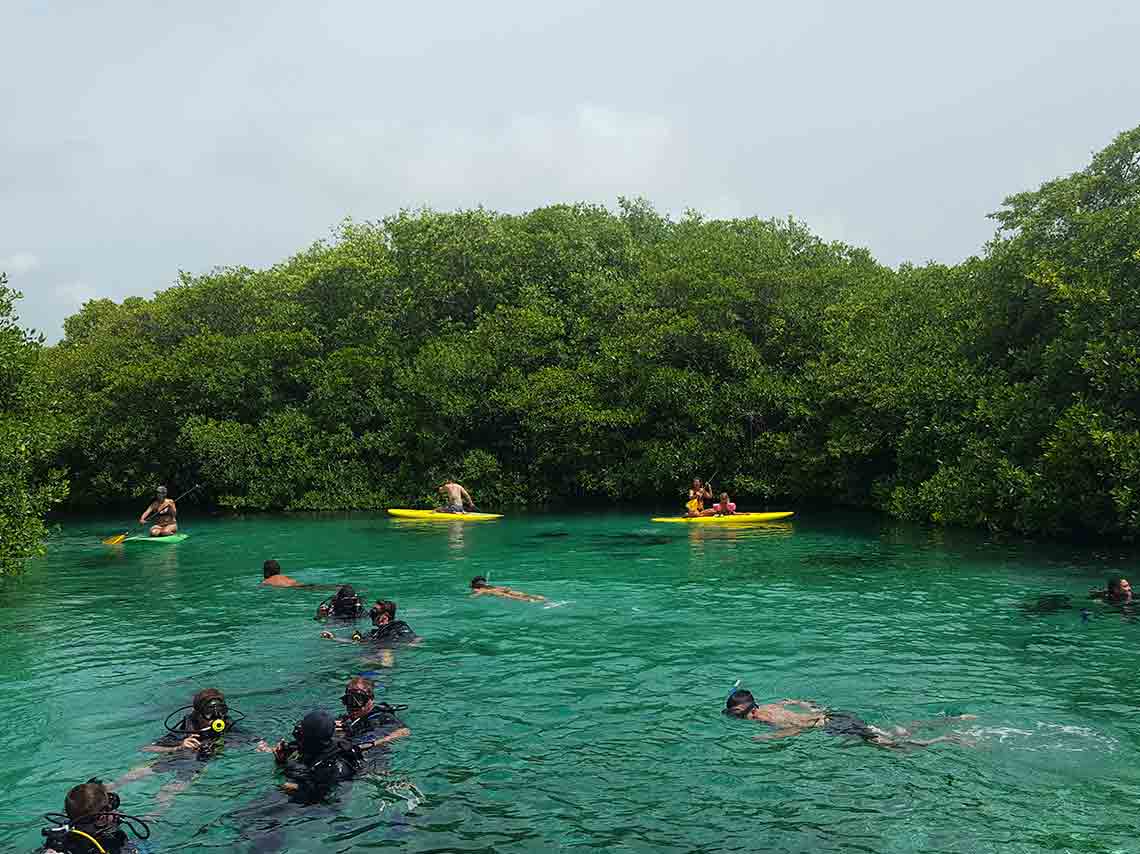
column 593, row 725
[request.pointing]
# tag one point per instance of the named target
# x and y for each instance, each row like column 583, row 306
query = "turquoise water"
column 595, row 724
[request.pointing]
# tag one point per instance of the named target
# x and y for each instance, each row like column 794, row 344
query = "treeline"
column 574, row 354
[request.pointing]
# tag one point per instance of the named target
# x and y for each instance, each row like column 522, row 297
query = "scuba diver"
column 480, row 587
column 386, row 629
column 199, row 736
column 201, row 730
column 788, row 722
column 317, row 758
column 345, row 604
column 365, row 722
column 92, row 824
column 163, row 512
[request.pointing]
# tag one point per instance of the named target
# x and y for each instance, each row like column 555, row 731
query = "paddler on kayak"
column 458, row 501
column 723, row 507
column 699, row 495
column 164, row 512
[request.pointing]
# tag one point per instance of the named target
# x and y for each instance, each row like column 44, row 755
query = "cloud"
column 21, row 262
column 75, row 294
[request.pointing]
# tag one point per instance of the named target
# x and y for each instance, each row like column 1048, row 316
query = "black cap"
column 317, row 728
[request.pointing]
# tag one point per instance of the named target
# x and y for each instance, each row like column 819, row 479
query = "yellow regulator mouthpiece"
column 218, row 725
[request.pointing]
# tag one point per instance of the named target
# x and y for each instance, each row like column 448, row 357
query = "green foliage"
column 575, row 354
column 29, row 485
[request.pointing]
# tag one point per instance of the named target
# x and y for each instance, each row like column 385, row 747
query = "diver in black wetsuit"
column 92, row 824
column 344, row 604
column 365, row 722
column 386, row 631
column 197, row 737
column 317, row 758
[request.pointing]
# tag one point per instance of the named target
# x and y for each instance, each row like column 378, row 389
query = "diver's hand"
column 327, row 635
column 191, row 742
column 263, row 746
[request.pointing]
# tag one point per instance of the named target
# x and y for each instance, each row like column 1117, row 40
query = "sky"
column 142, row 139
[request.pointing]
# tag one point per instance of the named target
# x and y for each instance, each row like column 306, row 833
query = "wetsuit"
column 315, row 775
column 186, row 763
column 60, row 841
column 389, row 633
column 381, row 721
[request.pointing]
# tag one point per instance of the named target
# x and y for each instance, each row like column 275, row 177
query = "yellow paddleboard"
column 734, row 519
column 444, row 517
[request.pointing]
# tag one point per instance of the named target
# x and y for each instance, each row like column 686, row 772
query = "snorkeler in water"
column 386, row 629
column 91, row 823
column 345, row 604
column 480, row 587
column 792, row 717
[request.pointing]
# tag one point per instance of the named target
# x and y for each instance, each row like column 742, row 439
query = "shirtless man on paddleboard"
column 458, row 501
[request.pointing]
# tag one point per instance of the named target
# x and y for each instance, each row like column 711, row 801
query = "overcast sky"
column 140, row 139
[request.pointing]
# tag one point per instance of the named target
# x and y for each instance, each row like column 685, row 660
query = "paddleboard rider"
column 480, row 587
column 458, row 501
column 163, row 512
column 723, row 507
column 699, row 495
column 792, row 717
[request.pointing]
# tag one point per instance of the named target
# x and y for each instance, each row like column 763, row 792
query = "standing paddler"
column 163, row 512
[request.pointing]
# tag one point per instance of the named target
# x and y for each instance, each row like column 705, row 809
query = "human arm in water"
column 191, row 742
column 402, row 732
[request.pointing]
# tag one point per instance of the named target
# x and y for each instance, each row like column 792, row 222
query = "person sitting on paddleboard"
column 699, row 494
column 480, row 587
column 724, row 507
column 164, row 512
column 387, row 630
column 458, row 501
column 806, row 715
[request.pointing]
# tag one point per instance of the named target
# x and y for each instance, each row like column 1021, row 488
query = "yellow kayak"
column 436, row 516
column 734, row 519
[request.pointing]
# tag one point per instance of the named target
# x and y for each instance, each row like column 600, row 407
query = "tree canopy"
column 578, row 354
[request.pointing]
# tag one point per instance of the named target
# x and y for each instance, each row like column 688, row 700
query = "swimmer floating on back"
column 792, row 717
column 480, row 587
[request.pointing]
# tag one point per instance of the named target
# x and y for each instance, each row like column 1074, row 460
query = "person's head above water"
column 209, row 706
column 316, row 732
column 270, row 568
column 1119, row 590
column 477, row 582
column 741, row 704
column 90, row 803
column 382, row 612
column 359, row 695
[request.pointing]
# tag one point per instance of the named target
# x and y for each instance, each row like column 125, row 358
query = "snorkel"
column 739, row 702
column 92, row 814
